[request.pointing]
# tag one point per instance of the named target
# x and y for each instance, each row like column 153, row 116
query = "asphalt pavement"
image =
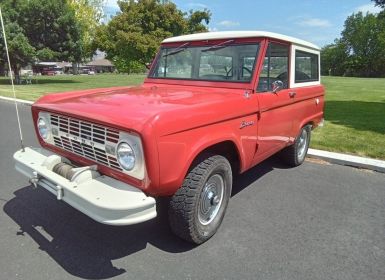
column 316, row 221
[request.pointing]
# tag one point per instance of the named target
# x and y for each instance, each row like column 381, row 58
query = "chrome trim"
column 93, row 141
column 85, row 139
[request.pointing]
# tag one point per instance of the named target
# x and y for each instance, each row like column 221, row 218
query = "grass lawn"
column 354, row 113
column 354, row 117
column 42, row 85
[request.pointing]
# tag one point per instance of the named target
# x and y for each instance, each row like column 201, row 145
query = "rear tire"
column 197, row 209
column 295, row 154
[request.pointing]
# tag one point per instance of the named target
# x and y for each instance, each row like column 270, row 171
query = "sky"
column 317, row 21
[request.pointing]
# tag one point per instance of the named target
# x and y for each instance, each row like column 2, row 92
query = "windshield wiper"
column 218, row 46
column 179, row 49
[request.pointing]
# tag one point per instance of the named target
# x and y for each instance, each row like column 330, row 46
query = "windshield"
column 221, row 62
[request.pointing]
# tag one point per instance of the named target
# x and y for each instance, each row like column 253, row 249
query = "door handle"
column 292, row 94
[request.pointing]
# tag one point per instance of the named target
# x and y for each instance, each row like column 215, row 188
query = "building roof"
column 64, row 64
column 55, row 64
column 47, row 63
column 100, row 62
column 239, row 34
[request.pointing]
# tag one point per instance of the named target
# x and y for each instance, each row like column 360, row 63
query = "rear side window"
column 306, row 67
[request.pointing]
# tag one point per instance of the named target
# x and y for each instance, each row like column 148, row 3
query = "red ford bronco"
column 213, row 105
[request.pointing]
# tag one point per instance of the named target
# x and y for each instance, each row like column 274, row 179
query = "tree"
column 380, row 3
column 21, row 51
column 133, row 36
column 88, row 14
column 40, row 30
column 365, row 38
column 52, row 28
column 197, row 21
column 334, row 59
column 361, row 49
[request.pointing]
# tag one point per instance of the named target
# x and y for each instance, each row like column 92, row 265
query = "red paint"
column 177, row 119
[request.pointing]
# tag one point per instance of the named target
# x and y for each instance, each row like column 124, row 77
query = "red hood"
column 169, row 108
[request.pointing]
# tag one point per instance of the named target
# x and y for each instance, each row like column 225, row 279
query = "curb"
column 17, row 100
column 348, row 160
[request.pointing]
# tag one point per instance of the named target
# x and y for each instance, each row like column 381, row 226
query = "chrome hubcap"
column 302, row 144
column 211, row 199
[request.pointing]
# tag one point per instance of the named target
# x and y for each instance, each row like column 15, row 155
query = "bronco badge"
column 246, row 123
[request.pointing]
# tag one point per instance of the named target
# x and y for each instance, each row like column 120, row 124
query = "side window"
column 306, row 67
column 275, row 67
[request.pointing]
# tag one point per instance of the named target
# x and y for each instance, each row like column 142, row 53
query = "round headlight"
column 126, row 156
column 43, row 128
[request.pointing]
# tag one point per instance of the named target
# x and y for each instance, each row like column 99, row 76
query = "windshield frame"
column 209, row 82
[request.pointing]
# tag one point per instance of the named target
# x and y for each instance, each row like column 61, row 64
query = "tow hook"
column 34, row 179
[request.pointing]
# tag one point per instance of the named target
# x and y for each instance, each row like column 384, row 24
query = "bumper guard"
column 100, row 197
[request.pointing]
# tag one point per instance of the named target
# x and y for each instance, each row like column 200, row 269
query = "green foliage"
column 133, row 36
column 364, row 37
column 361, row 49
column 129, row 67
column 51, row 24
column 40, row 30
column 88, row 14
column 18, row 45
column 21, row 51
column 196, row 21
column 380, row 3
column 334, row 59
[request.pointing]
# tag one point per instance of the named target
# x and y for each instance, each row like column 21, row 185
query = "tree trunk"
column 75, row 69
column 2, row 69
column 16, row 72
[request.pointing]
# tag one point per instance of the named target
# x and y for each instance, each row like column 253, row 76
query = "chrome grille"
column 89, row 140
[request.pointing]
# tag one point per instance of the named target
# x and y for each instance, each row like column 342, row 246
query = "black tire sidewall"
column 223, row 168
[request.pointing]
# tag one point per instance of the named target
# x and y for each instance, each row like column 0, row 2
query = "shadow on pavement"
column 244, row 180
column 85, row 248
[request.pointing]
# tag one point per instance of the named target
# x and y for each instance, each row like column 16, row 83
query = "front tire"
column 197, row 209
column 295, row 154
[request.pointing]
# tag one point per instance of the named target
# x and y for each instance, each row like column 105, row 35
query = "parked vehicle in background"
column 213, row 106
column 86, row 70
column 48, row 72
column 58, row 70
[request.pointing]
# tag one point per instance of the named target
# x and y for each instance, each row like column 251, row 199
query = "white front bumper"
column 102, row 198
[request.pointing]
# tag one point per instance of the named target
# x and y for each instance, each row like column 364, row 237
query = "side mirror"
column 277, row 86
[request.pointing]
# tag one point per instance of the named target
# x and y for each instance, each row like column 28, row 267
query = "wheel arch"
column 225, row 148
column 312, row 120
column 172, row 178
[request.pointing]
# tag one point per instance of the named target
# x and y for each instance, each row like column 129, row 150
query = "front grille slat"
column 80, row 137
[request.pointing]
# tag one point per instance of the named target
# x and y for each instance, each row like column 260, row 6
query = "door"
column 275, row 122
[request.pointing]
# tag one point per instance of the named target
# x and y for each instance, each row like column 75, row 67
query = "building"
column 98, row 65
column 101, row 65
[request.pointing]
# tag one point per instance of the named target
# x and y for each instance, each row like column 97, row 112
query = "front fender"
column 178, row 151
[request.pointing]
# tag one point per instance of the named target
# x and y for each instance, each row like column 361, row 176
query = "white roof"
column 239, row 34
